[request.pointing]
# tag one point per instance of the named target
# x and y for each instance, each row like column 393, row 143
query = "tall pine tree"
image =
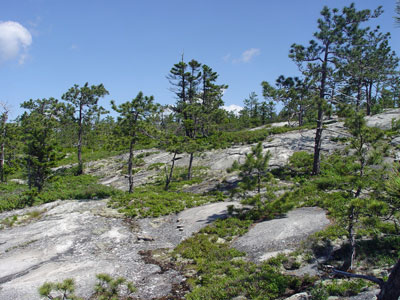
column 320, row 58
column 83, row 103
column 134, row 121
column 39, row 130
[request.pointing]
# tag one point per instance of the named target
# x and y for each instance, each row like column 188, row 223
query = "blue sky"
column 131, row 45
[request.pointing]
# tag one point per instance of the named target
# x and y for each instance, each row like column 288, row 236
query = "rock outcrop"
column 79, row 239
column 281, row 235
column 281, row 146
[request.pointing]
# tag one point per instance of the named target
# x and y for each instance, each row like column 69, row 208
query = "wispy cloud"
column 35, row 23
column 245, row 57
column 73, row 47
column 34, row 26
column 249, row 54
column 15, row 40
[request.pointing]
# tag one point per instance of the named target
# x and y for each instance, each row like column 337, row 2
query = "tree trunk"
column 4, row 118
column 301, row 112
column 130, row 165
column 358, row 102
column 318, row 133
column 189, row 174
column 352, row 240
column 259, row 183
column 368, row 92
column 318, row 140
column 80, row 131
column 169, row 177
column 30, row 177
column 391, row 288
column 2, row 159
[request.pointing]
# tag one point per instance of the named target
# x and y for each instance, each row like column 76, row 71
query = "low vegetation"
column 227, row 139
column 354, row 185
column 106, row 288
column 222, row 272
column 65, row 185
column 152, row 200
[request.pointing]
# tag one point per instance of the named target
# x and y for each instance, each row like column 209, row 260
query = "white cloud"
column 233, row 108
column 249, row 54
column 246, row 56
column 15, row 40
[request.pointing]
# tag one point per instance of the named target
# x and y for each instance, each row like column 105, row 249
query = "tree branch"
column 378, row 281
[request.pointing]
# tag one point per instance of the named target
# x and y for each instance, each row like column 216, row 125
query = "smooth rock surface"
column 384, row 119
column 78, row 239
column 73, row 239
column 281, row 146
column 269, row 238
column 171, row 230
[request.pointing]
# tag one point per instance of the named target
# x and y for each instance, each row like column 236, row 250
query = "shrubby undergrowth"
column 222, row 272
column 106, row 288
column 152, row 200
column 63, row 186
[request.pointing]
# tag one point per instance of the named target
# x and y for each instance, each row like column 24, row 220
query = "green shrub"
column 235, row 167
column 154, row 201
column 88, row 155
column 319, row 292
column 62, row 290
column 107, row 288
column 345, row 288
column 225, row 139
column 8, row 222
column 301, row 162
column 75, row 187
column 228, row 228
column 379, row 251
column 222, row 274
column 265, row 209
column 63, row 186
column 155, row 166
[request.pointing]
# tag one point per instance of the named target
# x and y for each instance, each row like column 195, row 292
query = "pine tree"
column 319, row 59
column 174, row 145
column 397, row 9
column 83, row 106
column 295, row 94
column 367, row 64
column 12, row 147
column 134, row 121
column 255, row 167
column 41, row 148
column 211, row 99
column 251, row 106
column 360, row 178
column 3, row 138
column 198, row 101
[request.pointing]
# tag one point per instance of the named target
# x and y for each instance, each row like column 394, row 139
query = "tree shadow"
column 214, row 217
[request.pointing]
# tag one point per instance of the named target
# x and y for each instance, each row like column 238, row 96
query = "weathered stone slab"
column 384, row 120
column 281, row 235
